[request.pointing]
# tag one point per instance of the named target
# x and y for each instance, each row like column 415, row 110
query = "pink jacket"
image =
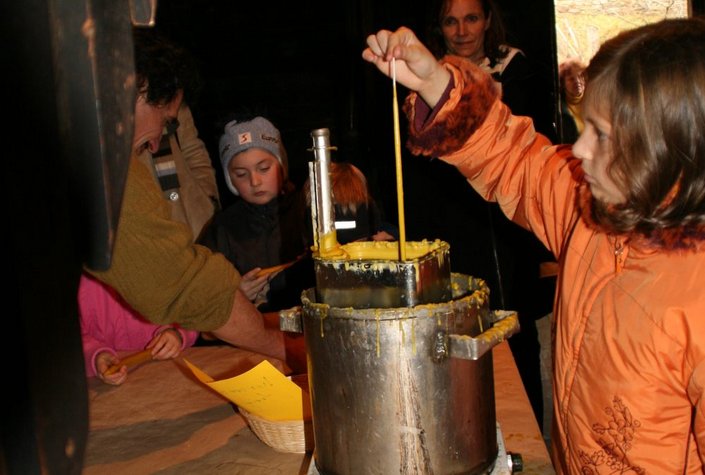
column 110, row 324
column 629, row 316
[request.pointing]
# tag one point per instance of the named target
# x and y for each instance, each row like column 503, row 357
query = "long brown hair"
column 650, row 83
column 495, row 35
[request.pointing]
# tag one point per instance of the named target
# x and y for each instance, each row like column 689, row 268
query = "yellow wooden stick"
column 274, row 269
column 397, row 155
column 130, row 361
column 280, row 267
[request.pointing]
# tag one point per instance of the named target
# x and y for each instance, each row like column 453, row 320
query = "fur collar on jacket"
column 449, row 131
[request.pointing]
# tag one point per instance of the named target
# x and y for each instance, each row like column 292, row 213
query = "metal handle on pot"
column 506, row 324
column 290, row 320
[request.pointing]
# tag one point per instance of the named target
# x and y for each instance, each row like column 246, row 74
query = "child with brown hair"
column 623, row 211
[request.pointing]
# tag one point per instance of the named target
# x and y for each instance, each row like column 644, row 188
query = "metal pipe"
column 323, row 203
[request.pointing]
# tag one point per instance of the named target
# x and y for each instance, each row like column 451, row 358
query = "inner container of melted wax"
column 369, row 274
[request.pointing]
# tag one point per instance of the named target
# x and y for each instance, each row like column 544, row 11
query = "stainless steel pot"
column 358, row 281
column 404, row 390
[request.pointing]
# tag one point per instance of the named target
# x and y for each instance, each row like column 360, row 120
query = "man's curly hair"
column 163, row 69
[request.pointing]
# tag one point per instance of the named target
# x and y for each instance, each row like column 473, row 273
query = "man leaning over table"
column 155, row 266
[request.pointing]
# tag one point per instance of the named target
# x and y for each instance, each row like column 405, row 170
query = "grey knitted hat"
column 256, row 133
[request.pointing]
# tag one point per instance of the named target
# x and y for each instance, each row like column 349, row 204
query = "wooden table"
column 164, row 421
column 516, row 418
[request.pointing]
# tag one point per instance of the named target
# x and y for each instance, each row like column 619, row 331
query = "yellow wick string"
column 397, row 155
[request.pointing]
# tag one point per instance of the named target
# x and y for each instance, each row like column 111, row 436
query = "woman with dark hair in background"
column 484, row 243
column 473, row 29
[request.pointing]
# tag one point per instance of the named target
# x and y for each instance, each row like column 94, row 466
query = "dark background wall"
column 300, row 58
column 698, row 7
column 299, row 64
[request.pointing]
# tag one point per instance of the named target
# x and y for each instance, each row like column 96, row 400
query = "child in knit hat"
column 266, row 226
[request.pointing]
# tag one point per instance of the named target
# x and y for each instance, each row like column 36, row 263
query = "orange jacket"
column 629, row 335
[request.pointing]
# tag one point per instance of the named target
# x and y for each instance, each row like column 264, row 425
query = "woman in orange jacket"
column 623, row 210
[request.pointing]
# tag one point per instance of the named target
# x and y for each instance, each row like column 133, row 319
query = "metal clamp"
column 290, row 320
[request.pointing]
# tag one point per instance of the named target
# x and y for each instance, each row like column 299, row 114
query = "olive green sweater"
column 157, row 269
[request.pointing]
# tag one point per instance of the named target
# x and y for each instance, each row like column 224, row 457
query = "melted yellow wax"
column 323, row 317
column 412, row 321
column 381, row 250
column 329, row 248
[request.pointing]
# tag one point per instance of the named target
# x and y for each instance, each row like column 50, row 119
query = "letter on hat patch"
column 244, row 138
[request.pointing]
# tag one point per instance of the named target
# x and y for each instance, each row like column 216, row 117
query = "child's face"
column 594, row 149
column 256, row 174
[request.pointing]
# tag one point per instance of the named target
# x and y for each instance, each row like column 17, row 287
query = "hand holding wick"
column 416, row 67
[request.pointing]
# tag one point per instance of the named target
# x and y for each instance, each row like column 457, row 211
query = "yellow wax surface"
column 329, row 247
column 385, row 250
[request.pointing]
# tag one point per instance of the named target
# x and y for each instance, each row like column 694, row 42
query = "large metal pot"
column 404, row 390
column 360, row 281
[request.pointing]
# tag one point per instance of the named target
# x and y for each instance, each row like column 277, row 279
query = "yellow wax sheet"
column 262, row 391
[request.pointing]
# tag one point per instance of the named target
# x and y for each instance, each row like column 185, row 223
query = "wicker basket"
column 283, row 436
